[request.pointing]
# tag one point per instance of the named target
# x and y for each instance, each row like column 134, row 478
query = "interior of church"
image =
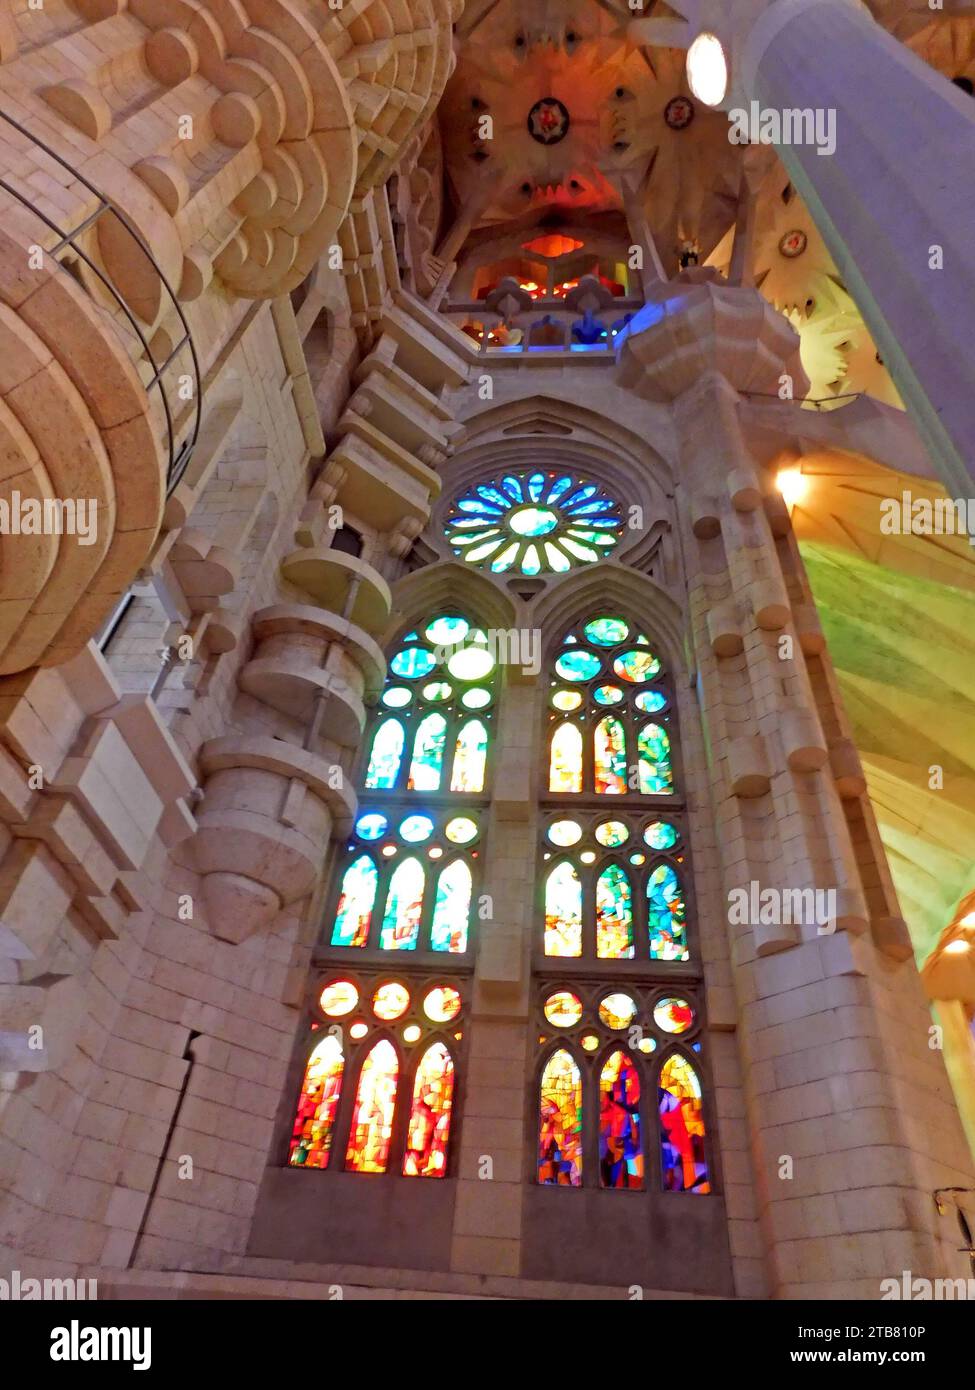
column 487, row 647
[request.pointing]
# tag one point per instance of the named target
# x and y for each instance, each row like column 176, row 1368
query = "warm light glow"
column 968, row 920
column 793, row 485
column 707, row 70
column 957, row 947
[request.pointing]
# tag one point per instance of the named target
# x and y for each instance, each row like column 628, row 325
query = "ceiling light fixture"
column 707, row 69
column 793, row 485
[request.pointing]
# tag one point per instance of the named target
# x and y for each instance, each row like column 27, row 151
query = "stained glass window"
column 613, row 1060
column 372, row 1116
column 563, row 912
column 534, row 523
column 681, row 1112
column 429, row 1124
column 408, row 884
column 392, row 1043
column 605, row 683
column 560, row 1122
column 311, row 1142
column 620, row 1144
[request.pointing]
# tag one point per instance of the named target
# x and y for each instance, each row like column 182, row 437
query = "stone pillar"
column 843, row 1091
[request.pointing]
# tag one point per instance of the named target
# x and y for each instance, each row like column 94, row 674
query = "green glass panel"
column 412, row 662
column 578, row 666
column 614, row 915
column 444, row 630
column 429, row 744
column 356, row 901
column 666, row 915
column 636, row 667
column 607, row 632
column 653, row 754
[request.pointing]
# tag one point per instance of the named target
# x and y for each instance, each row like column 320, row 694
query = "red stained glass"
column 372, row 1117
column 620, row 1142
column 311, row 1140
column 681, row 1109
column 560, row 1123
column 429, row 1127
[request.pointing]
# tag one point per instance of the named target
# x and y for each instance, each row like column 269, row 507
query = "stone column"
column 845, row 1096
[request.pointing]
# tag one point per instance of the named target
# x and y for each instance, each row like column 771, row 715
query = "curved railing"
column 179, row 449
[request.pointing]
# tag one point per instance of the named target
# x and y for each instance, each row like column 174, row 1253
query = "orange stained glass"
column 553, row 245
column 311, row 1140
column 429, row 1127
column 565, row 767
column 610, row 761
column 372, row 1117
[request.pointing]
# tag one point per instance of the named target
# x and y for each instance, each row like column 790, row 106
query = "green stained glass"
column 397, row 696
column 476, row 698
column 530, row 562
column 660, row 835
column 404, row 902
column 565, row 832
column 506, row 559
column 429, row 744
column 471, row 664
column 533, row 521
column 470, row 758
column 452, row 908
column 565, row 765
column 356, row 901
column 412, row 662
column 614, row 915
column 636, row 667
column 563, row 912
column 438, row 690
column 607, row 694
column 445, row 630
column 612, row 833
column 653, row 754
column 386, row 755
column 567, row 700
column 666, row 915
column 607, row 632
column 609, row 742
column 578, row 666
column 650, row 701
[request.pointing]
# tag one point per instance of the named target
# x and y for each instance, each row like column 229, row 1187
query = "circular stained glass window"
column 415, row 829
column 673, row 1015
column 461, row 830
column 534, row 523
column 660, row 835
column 578, row 666
column 563, row 1009
column 397, row 696
column 391, row 1001
column 442, row 1004
column 443, row 631
column 475, row 699
column 607, row 694
column 412, row 662
column 371, row 826
column 650, row 701
column 607, row 632
column 565, row 832
column 617, row 1010
column 438, row 690
column 612, row 833
column 338, row 998
column 636, row 667
column 566, row 700
column 470, row 664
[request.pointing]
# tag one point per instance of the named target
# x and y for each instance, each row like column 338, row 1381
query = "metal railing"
column 179, row 451
column 549, row 325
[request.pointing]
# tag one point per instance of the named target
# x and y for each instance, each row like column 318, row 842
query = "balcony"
column 514, row 320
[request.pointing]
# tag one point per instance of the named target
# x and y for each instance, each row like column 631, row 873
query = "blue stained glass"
column 491, row 494
column 410, row 637
column 469, row 522
column 512, row 487
column 592, row 507
column 387, row 752
column 505, row 560
column 530, row 563
column 412, row 663
column 356, row 900
column 452, row 907
column 428, row 751
column 444, row 630
column 371, row 826
column 582, row 495
column 404, row 901
column 536, row 486
column 650, row 701
column 475, row 504
column 416, row 829
column 578, row 666
column 559, row 488
column 666, row 915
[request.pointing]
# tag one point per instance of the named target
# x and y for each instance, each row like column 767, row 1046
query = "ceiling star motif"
column 548, row 121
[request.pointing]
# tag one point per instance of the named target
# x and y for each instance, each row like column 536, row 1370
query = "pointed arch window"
column 608, row 1058
column 408, row 883
column 379, row 1084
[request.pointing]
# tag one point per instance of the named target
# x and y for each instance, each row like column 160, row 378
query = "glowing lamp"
column 707, row 69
